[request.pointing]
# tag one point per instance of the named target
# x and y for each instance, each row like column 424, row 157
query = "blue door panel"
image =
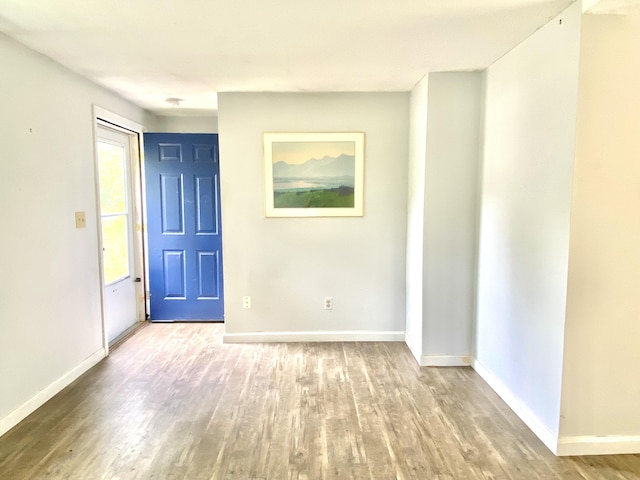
column 169, row 152
column 208, row 266
column 204, row 153
column 174, row 274
column 183, row 226
column 171, row 198
column 206, row 218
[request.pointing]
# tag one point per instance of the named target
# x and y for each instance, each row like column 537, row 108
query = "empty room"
column 320, row 240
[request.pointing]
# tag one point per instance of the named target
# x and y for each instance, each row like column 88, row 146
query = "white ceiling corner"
column 611, row 7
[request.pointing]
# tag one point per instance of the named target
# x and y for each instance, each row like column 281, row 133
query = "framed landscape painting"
column 314, row 174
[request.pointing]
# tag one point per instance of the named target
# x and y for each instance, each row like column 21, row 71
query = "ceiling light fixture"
column 173, row 101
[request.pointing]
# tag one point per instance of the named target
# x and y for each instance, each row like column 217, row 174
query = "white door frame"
column 112, row 120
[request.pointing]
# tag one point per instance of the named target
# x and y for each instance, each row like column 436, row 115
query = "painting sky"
column 295, row 153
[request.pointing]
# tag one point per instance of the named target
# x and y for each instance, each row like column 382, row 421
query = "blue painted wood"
column 182, row 176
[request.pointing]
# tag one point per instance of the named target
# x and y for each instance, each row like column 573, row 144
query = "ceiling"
column 149, row 50
column 614, row 7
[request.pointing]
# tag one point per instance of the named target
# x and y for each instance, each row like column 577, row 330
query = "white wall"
column 288, row 265
column 528, row 153
column 183, row 124
column 415, row 214
column 50, row 320
column 601, row 391
column 450, row 210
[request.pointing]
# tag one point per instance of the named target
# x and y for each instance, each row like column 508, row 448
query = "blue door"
column 183, row 226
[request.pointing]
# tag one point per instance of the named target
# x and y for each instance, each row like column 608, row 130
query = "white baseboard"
column 35, row 402
column 414, row 347
column 347, row 336
column 519, row 408
column 445, row 360
column 598, row 445
column 435, row 360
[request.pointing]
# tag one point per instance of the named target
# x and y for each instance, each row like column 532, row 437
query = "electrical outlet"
column 246, row 302
column 328, row 303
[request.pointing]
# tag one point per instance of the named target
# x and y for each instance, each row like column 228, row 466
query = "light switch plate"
column 81, row 220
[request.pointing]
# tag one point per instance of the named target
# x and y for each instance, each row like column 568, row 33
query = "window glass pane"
column 116, row 248
column 112, row 180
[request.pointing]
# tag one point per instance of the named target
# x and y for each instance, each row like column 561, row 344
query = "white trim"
column 543, row 432
column 414, row 346
column 598, row 445
column 35, row 402
column 325, row 336
column 117, row 120
column 445, row 360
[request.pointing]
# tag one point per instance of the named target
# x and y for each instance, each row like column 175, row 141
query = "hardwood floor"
column 173, row 402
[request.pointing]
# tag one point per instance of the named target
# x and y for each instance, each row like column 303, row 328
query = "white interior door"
column 117, row 231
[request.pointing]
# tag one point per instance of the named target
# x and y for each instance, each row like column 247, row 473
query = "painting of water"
column 314, row 174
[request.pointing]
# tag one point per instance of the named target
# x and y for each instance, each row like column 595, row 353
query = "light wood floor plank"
column 173, row 402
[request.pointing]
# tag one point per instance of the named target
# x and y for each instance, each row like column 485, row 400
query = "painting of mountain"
column 341, row 166
column 313, row 174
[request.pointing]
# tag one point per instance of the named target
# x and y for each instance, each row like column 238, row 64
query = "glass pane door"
column 114, row 210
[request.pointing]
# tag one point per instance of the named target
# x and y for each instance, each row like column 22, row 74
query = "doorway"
column 184, row 228
column 117, row 167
